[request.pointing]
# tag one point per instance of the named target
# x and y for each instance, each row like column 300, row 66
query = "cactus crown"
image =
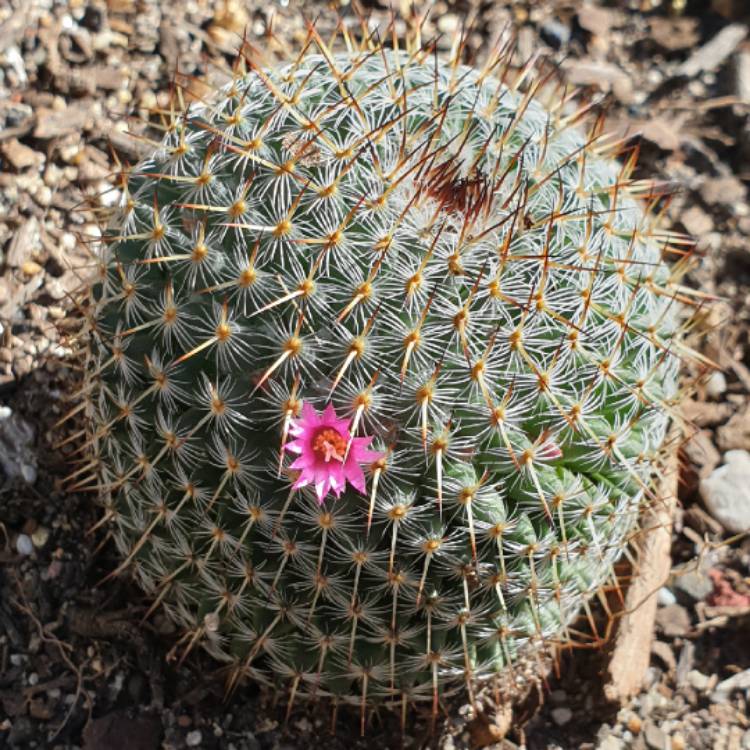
column 380, row 359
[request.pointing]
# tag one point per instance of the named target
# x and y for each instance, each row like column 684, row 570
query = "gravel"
column 726, row 492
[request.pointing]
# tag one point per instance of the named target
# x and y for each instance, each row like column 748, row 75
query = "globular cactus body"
column 380, row 361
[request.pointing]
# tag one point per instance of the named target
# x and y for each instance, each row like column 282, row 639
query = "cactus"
column 380, row 359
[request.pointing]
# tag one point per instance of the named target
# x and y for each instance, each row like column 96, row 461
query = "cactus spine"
column 435, row 286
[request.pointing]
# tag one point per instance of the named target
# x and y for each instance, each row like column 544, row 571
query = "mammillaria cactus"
column 379, row 361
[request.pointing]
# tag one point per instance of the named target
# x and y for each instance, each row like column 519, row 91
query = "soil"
column 79, row 667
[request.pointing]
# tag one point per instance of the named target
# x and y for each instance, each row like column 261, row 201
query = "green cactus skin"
column 457, row 268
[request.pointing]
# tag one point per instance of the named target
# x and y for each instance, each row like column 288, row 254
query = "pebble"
column 561, row 716
column 692, row 579
column 716, row 384
column 655, row 737
column 665, row 597
column 611, row 743
column 634, row 724
column 698, row 680
column 194, row 738
column 723, row 691
column 555, row 34
column 673, row 621
column 40, row 537
column 17, row 458
column 448, row 23
column 726, row 492
column 24, row 546
column 30, row 268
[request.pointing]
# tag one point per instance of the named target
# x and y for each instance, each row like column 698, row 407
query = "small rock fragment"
column 561, row 715
column 716, row 385
column 673, row 620
column 634, row 724
column 15, row 118
column 655, row 737
column 692, row 579
column 554, row 33
column 52, row 123
column 40, row 537
column 715, row 51
column 735, row 434
column 23, row 545
column 698, row 680
column 724, row 191
column 726, row 492
column 673, row 34
column 664, row 652
column 697, row 221
column 20, row 155
column 25, row 243
column 17, row 458
column 30, row 268
column 705, row 413
column 665, row 597
column 595, row 20
column 723, row 691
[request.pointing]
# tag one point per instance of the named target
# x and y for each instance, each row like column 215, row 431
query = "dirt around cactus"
column 78, row 666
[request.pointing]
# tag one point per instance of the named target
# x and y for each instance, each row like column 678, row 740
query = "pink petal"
column 296, row 446
column 322, row 490
column 355, row 476
column 309, row 414
column 302, row 481
column 303, row 462
column 329, row 414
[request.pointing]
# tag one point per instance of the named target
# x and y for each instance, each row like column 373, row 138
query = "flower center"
column 329, row 444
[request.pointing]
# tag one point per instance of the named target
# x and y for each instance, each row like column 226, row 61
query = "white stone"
column 726, row 492
column 23, row 545
column 665, row 597
column 716, row 384
column 698, row 680
column 611, row 743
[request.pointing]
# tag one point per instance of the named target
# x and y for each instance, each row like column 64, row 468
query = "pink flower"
column 328, row 456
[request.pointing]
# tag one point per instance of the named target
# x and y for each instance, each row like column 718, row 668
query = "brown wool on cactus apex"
column 379, row 366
